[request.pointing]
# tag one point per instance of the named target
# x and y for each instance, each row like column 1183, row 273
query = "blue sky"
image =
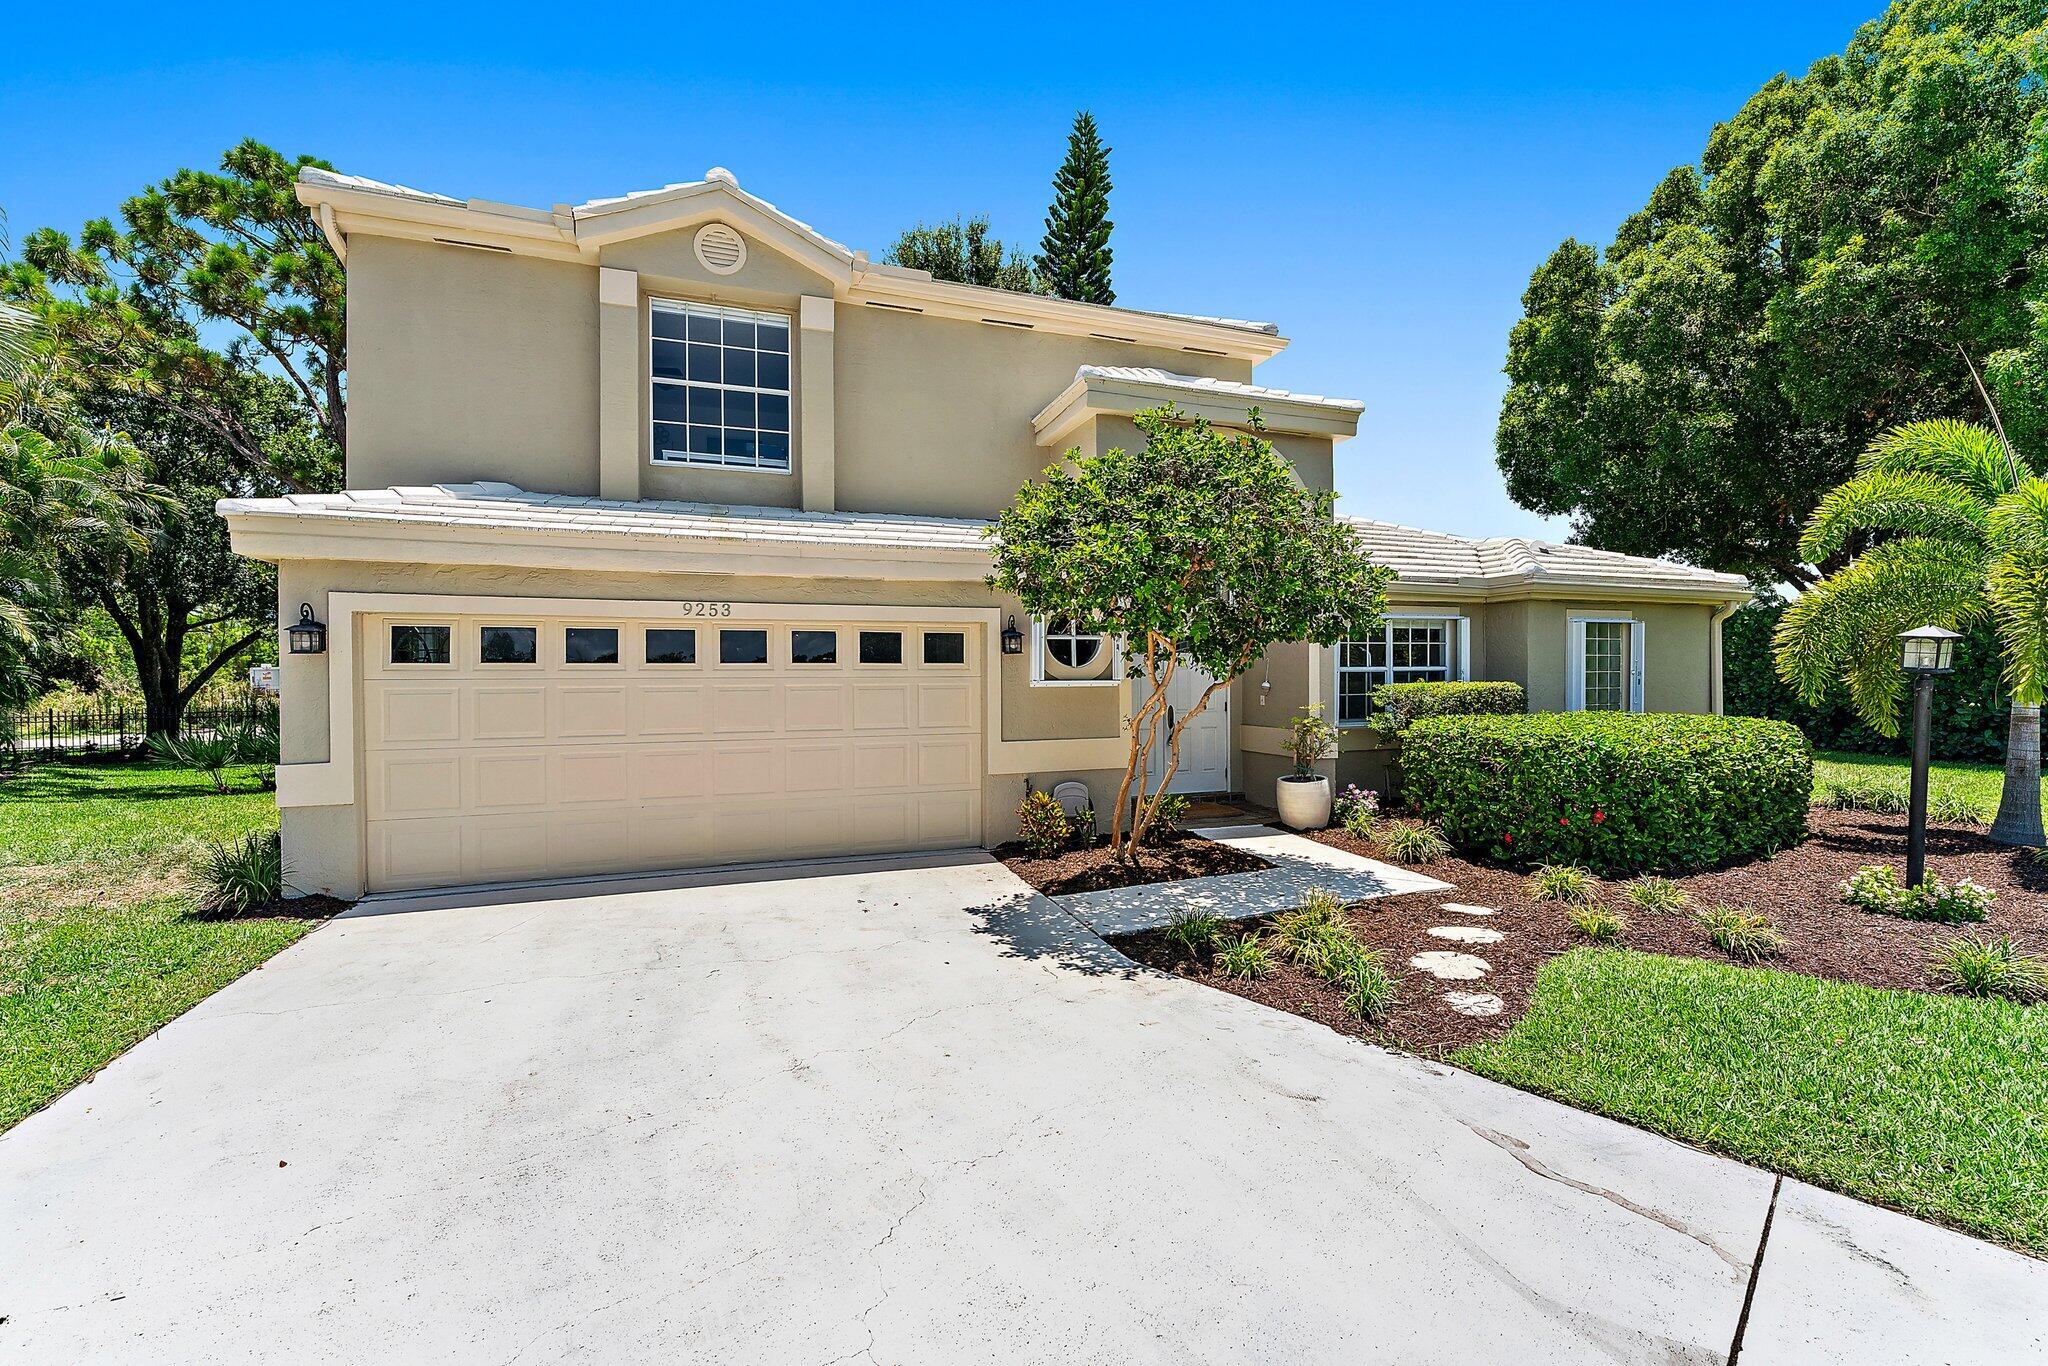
column 1380, row 180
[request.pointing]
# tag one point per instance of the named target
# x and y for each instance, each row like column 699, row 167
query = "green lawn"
column 1977, row 784
column 1934, row 1105
column 97, row 948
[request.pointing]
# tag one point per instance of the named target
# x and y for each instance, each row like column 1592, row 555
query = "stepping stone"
column 1466, row 934
column 1460, row 908
column 1474, row 1003
column 1451, row 967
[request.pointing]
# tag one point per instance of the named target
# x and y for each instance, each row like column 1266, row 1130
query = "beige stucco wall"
column 474, row 365
column 468, row 365
column 934, row 415
column 1313, row 457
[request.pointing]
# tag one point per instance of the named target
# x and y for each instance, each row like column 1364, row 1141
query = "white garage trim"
column 333, row 783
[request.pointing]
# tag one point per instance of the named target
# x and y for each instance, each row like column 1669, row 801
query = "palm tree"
column 1956, row 529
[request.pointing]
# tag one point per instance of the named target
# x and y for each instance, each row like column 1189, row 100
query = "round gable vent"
column 720, row 250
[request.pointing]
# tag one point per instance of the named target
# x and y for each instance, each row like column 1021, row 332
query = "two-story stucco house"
column 663, row 547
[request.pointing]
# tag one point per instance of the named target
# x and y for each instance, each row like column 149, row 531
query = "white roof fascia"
column 357, row 204
column 1094, row 394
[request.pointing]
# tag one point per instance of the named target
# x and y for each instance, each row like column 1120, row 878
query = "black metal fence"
column 119, row 727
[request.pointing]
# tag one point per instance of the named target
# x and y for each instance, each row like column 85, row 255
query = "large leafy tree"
column 964, row 253
column 184, row 603
column 136, row 304
column 1074, row 258
column 1956, row 529
column 1200, row 548
column 207, row 331
column 1848, row 239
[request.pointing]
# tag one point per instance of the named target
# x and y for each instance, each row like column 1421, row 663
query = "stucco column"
column 618, row 384
column 815, row 414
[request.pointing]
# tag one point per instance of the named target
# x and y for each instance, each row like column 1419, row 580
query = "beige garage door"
column 503, row 748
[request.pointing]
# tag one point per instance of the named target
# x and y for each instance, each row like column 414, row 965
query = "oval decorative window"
column 720, row 250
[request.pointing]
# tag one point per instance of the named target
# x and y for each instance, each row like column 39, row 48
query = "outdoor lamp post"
column 1925, row 653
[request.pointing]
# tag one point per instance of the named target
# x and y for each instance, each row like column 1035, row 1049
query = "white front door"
column 1204, row 745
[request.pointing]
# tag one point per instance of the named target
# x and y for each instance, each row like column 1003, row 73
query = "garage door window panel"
column 814, row 647
column 881, row 647
column 590, row 645
column 412, row 644
column 742, row 647
column 667, row 646
column 499, row 645
column 945, row 647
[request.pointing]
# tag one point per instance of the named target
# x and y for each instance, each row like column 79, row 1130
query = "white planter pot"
column 1304, row 802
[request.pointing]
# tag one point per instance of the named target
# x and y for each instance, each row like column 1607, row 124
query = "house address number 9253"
column 706, row 609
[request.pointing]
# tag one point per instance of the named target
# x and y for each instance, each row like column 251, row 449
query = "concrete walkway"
column 1300, row 866
column 845, row 1117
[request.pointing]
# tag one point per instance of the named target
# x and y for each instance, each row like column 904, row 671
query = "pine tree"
column 1073, row 260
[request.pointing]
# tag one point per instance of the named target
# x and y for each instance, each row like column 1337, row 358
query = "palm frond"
column 1964, row 452
column 2017, row 587
column 1845, row 626
column 1913, row 502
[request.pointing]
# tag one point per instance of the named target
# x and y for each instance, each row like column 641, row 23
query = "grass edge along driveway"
column 1933, row 1105
column 98, row 948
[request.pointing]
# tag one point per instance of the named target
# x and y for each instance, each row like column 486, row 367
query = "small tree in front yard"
column 1201, row 548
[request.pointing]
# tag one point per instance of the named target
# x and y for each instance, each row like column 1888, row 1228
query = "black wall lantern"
column 308, row 636
column 1013, row 639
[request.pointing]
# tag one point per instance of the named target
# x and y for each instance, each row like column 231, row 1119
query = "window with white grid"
column 1405, row 650
column 1606, row 677
column 720, row 386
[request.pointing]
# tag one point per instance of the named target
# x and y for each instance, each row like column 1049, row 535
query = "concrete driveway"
column 841, row 1116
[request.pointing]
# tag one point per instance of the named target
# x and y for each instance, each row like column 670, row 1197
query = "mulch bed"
column 1799, row 889
column 1181, row 854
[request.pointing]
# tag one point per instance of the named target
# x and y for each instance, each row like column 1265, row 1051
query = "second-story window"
column 720, row 386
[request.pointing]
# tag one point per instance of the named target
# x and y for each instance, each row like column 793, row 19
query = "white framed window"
column 1064, row 655
column 1408, row 648
column 1604, row 664
column 719, row 386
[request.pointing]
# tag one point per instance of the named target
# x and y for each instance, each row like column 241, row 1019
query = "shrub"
column 1245, row 956
column 1369, row 989
column 1598, row 923
column 1656, row 895
column 237, row 877
column 1862, row 794
column 1564, row 882
column 210, row 754
column 1399, row 705
column 1313, row 932
column 1166, row 818
column 1877, row 888
column 1949, row 902
column 1951, row 807
column 1082, row 831
column 1193, row 930
column 1042, row 824
column 1356, row 808
column 1310, row 739
column 1989, row 967
column 1615, row 792
column 1741, row 933
column 1413, row 842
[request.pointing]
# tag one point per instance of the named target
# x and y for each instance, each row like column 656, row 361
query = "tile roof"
column 1436, row 557
column 508, row 507
column 1229, row 388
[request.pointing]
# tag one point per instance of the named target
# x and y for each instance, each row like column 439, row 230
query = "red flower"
column 1507, row 839
column 1564, row 820
column 1599, row 816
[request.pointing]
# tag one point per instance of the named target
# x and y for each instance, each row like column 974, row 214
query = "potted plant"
column 1304, row 795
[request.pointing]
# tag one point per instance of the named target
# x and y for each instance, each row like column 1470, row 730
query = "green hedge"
column 1611, row 791
column 1399, row 705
